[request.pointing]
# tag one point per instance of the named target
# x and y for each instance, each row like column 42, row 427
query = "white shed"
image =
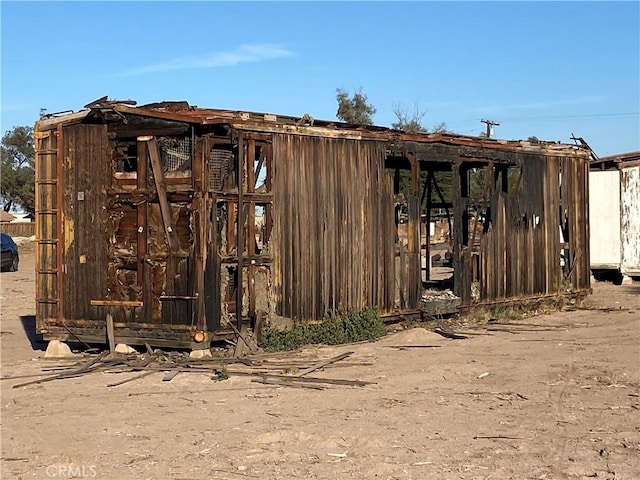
column 614, row 213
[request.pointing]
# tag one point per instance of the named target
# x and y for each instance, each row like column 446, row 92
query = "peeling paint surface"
column 630, row 219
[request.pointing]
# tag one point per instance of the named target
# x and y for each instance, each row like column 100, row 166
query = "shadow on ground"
column 29, row 326
column 38, row 343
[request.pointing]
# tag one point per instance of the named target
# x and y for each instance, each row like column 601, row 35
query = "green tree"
column 354, row 109
column 17, row 169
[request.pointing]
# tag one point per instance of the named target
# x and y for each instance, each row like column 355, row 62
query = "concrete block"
column 626, row 280
column 124, row 348
column 196, row 354
column 58, row 349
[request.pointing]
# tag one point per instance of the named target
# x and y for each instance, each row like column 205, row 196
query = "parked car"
column 9, row 258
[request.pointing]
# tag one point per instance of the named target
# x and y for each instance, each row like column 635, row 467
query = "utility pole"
column 490, row 125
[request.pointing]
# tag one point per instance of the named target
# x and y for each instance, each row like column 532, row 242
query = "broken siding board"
column 414, row 266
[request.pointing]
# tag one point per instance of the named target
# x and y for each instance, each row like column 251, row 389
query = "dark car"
column 10, row 257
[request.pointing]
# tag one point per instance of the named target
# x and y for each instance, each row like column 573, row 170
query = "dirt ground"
column 547, row 397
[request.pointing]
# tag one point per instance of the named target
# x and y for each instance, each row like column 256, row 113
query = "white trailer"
column 614, row 214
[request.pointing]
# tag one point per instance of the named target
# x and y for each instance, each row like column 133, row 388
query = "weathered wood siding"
column 334, row 231
column 522, row 252
column 87, row 174
column 574, row 208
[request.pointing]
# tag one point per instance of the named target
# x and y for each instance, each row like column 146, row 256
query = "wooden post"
column 141, row 184
column 240, row 229
column 251, row 228
column 111, row 333
column 60, row 247
column 428, row 224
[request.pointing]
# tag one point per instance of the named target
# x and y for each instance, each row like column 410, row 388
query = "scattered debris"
column 267, row 367
column 325, row 363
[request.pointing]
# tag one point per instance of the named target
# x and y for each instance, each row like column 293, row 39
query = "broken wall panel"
column 521, row 251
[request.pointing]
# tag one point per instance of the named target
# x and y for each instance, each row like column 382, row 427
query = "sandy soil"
column 555, row 397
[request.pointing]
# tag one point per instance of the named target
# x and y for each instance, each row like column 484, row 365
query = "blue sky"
column 548, row 69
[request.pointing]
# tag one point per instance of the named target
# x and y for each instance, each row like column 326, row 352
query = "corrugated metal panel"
column 630, row 215
column 604, row 215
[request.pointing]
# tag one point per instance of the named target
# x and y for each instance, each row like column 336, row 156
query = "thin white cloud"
column 15, row 107
column 242, row 54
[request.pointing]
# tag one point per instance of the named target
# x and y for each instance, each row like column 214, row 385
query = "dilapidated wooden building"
column 182, row 222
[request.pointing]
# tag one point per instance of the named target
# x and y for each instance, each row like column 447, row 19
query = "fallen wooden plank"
column 337, row 358
column 138, row 377
column 72, row 373
column 170, row 375
column 243, row 346
column 507, row 330
column 402, row 347
column 286, row 383
column 330, row 381
column 452, row 335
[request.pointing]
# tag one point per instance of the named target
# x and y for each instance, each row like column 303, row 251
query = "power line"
column 583, row 115
column 467, row 124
